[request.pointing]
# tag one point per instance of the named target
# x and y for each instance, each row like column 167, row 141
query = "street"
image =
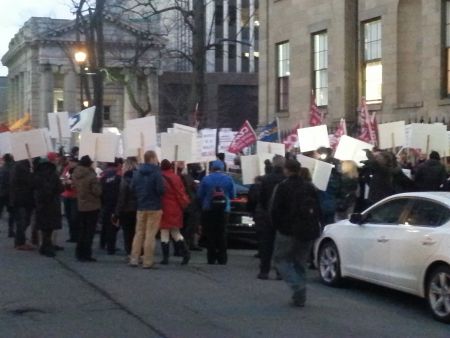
column 44, row 297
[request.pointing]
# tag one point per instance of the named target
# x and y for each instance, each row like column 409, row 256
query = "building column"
column 46, row 95
column 239, row 36
column 128, row 110
column 71, row 93
column 251, row 27
column 153, row 87
column 210, row 34
column 226, row 31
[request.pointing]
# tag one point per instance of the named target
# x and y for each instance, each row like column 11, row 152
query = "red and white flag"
column 367, row 124
column 291, row 139
column 316, row 116
column 245, row 137
column 340, row 131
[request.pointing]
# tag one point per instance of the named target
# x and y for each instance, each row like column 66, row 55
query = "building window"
column 320, row 68
column 283, row 73
column 107, row 113
column 373, row 67
column 447, row 47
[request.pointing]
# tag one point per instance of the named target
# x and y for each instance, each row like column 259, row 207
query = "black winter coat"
column 21, row 185
column 47, row 190
column 5, row 174
column 430, row 176
column 126, row 201
column 269, row 182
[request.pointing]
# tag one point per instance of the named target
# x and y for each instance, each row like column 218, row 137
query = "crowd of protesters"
column 179, row 203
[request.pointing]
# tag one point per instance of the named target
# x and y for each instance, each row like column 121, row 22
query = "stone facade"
column 43, row 76
column 414, row 85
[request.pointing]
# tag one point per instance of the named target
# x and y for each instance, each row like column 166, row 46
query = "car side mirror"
column 357, row 218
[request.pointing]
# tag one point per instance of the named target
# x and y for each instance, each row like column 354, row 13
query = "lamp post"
column 80, row 59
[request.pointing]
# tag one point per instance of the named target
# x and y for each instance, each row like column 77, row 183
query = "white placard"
column 320, row 171
column 59, row 125
column 5, row 143
column 271, row 148
column 48, row 141
column 392, row 135
column 253, row 166
column 312, row 138
column 179, row 147
column 99, row 147
column 429, row 137
column 351, row 149
column 34, row 140
column 408, row 129
column 140, row 134
column 226, row 136
column 207, row 144
column 181, row 128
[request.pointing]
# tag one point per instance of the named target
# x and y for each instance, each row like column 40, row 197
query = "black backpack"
column 218, row 199
column 307, row 215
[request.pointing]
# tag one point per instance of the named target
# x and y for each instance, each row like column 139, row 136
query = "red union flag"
column 245, row 137
column 367, row 124
column 340, row 131
column 316, row 116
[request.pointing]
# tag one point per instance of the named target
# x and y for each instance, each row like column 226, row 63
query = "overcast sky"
column 14, row 13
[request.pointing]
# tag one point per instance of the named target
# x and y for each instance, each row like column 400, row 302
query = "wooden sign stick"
column 206, row 168
column 141, row 149
column 393, row 143
column 428, row 145
column 96, row 152
column 58, row 122
column 176, row 159
column 27, row 148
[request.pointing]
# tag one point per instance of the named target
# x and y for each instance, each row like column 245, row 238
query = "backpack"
column 218, row 199
column 307, row 216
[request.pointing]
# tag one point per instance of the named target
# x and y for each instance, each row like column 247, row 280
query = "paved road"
column 45, row 298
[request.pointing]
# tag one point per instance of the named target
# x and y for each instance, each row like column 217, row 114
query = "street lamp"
column 80, row 59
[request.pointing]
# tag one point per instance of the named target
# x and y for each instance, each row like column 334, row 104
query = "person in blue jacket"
column 215, row 193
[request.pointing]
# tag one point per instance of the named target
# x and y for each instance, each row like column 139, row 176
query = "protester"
column 431, row 174
column 268, row 231
column 47, row 190
column 148, row 186
column 22, row 201
column 69, row 196
column 56, row 160
column 126, row 207
column 89, row 191
column 378, row 175
column 296, row 216
column 174, row 201
column 348, row 193
column 215, row 192
column 5, row 174
column 110, row 182
column 255, row 209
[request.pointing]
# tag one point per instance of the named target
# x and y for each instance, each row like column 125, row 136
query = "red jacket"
column 69, row 189
column 172, row 217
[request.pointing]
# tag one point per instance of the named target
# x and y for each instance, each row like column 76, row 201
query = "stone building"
column 44, row 77
column 393, row 52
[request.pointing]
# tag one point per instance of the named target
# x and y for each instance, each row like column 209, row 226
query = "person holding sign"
column 89, row 192
column 431, row 174
column 148, row 186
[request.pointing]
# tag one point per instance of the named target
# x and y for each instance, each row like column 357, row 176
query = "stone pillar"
column 46, row 95
column 226, row 31
column 153, row 87
column 71, row 93
column 251, row 27
column 238, row 36
column 211, row 34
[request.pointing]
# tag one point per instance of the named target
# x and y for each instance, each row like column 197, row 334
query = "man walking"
column 148, row 186
column 215, row 192
column 5, row 173
column 296, row 216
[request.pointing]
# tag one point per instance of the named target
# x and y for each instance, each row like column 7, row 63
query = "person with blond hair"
column 148, row 186
column 348, row 191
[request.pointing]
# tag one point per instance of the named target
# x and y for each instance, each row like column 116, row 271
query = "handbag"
column 182, row 198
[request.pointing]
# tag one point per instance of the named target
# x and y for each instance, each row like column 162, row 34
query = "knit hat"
column 86, row 161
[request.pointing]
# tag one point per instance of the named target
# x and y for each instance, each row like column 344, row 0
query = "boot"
column 184, row 251
column 165, row 252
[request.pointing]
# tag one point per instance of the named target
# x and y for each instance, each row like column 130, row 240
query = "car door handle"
column 382, row 240
column 428, row 242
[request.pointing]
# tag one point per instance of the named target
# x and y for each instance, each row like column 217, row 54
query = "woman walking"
column 174, row 201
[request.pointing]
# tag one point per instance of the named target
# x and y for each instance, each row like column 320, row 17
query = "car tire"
column 438, row 293
column 329, row 264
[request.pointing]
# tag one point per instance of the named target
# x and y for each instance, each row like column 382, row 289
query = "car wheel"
column 438, row 293
column 329, row 264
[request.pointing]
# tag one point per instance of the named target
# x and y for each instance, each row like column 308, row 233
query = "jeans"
column 214, row 225
column 291, row 256
column 110, row 231
column 23, row 219
column 146, row 229
column 128, row 224
column 266, row 246
column 4, row 203
column 88, row 223
column 71, row 212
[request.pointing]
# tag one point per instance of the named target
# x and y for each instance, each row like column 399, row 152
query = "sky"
column 14, row 13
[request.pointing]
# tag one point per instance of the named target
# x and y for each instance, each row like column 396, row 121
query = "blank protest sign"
column 320, row 171
column 351, row 149
column 59, row 125
column 34, row 140
column 271, row 148
column 392, row 135
column 99, row 147
column 312, row 138
column 140, row 134
column 179, row 147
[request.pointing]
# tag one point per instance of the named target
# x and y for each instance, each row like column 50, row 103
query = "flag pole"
column 278, row 130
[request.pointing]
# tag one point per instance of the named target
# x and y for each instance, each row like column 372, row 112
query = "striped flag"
column 316, row 116
column 367, row 124
column 290, row 139
column 340, row 131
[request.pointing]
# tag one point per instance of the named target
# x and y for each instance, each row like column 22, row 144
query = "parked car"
column 402, row 242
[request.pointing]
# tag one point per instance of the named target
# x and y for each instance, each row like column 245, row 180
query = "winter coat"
column 47, row 191
column 148, row 186
column 110, row 182
column 430, row 175
column 210, row 183
column 328, row 198
column 381, row 183
column 347, row 194
column 89, row 189
column 69, row 189
column 21, row 185
column 294, row 201
column 126, row 200
column 268, row 184
column 172, row 217
column 5, row 174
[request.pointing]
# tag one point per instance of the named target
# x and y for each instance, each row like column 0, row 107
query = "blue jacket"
column 212, row 181
column 148, row 186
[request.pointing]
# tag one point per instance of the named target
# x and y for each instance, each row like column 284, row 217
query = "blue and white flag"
column 269, row 133
column 82, row 122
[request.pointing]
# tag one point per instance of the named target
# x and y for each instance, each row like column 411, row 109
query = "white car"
column 402, row 242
